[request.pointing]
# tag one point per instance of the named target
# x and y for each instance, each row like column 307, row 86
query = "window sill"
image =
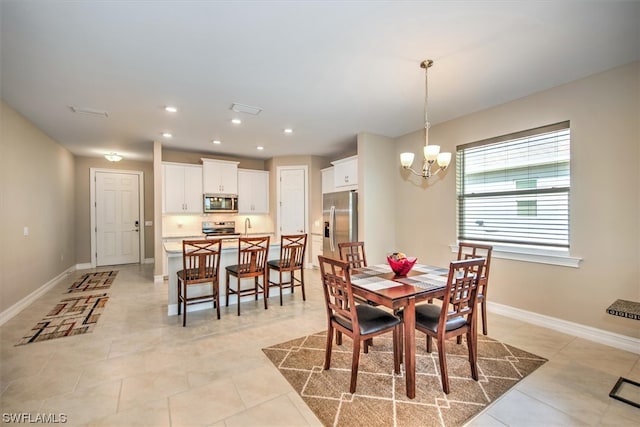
column 540, row 256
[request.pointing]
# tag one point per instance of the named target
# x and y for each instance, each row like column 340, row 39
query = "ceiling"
column 328, row 70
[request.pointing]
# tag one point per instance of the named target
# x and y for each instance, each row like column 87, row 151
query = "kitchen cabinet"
column 316, row 249
column 253, row 191
column 182, row 188
column 328, row 180
column 219, row 176
column 345, row 173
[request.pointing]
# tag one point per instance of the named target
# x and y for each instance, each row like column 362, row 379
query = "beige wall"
column 36, row 191
column 83, row 205
column 604, row 112
column 376, row 195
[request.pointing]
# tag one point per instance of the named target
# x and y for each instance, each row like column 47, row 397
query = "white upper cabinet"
column 219, row 176
column 328, row 180
column 253, row 191
column 345, row 173
column 182, row 188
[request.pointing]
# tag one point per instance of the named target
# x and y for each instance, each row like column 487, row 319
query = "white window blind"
column 514, row 189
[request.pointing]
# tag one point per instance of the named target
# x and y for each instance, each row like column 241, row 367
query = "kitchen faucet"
column 247, row 224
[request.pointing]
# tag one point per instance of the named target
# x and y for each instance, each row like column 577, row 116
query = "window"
column 514, row 189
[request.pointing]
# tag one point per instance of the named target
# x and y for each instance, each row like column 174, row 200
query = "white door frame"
column 92, row 200
column 279, row 169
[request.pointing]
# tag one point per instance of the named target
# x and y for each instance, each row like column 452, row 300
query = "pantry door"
column 117, row 218
column 292, row 199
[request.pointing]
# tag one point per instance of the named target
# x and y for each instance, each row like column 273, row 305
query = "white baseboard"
column 26, row 301
column 612, row 339
column 157, row 279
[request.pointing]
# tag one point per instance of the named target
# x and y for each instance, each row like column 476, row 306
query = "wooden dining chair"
column 353, row 253
column 476, row 250
column 200, row 265
column 292, row 249
column 456, row 316
column 252, row 264
column 358, row 321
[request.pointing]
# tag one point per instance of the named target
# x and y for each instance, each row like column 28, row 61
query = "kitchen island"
column 229, row 256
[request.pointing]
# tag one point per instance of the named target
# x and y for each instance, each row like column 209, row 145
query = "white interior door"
column 292, row 193
column 117, row 218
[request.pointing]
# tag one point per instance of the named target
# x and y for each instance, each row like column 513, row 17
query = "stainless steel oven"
column 220, row 203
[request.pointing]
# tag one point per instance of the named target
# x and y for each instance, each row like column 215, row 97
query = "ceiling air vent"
column 90, row 111
column 241, row 108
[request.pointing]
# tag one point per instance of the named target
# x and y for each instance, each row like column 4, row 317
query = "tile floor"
column 141, row 367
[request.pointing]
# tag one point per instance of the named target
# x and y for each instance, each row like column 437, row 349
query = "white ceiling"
column 327, row 69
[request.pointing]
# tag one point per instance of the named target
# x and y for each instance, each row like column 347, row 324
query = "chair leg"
column 265, row 286
column 429, row 346
column 442, row 358
column 179, row 293
column 473, row 355
column 354, row 364
column 483, row 307
column 280, row 284
column 227, row 290
column 256, row 287
column 216, row 291
column 238, row 295
column 327, row 350
column 304, row 297
column 338, row 337
column 184, row 306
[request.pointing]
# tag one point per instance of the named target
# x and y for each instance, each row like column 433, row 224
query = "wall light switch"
column 148, row 223
column 25, row 231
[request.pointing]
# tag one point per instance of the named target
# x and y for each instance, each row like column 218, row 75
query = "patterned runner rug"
column 380, row 398
column 93, row 281
column 71, row 316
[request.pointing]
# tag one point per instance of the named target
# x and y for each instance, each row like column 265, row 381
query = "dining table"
column 380, row 285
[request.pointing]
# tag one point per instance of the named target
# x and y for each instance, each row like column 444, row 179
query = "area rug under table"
column 71, row 316
column 93, row 281
column 380, row 398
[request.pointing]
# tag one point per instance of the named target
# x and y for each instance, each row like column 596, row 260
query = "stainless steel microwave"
column 220, row 203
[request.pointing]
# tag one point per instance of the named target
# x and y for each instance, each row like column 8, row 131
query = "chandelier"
column 431, row 153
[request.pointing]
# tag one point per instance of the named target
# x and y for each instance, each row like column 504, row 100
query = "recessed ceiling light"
column 170, row 109
column 260, row 147
column 236, row 121
column 166, row 134
column 217, row 141
column 288, row 130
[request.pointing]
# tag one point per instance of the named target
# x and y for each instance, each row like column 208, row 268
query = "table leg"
column 409, row 318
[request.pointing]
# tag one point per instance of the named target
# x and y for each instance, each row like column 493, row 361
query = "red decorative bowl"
column 403, row 266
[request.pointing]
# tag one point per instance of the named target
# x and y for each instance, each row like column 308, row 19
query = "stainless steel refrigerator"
column 340, row 218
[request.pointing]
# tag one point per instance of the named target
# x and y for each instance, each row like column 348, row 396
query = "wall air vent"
column 241, row 108
column 90, row 111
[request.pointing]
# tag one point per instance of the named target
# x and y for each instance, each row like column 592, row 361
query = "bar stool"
column 252, row 263
column 292, row 249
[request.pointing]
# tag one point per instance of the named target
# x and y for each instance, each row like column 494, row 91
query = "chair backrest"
column 338, row 294
column 476, row 250
column 292, row 249
column 201, row 259
column 461, row 292
column 353, row 253
column 252, row 255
